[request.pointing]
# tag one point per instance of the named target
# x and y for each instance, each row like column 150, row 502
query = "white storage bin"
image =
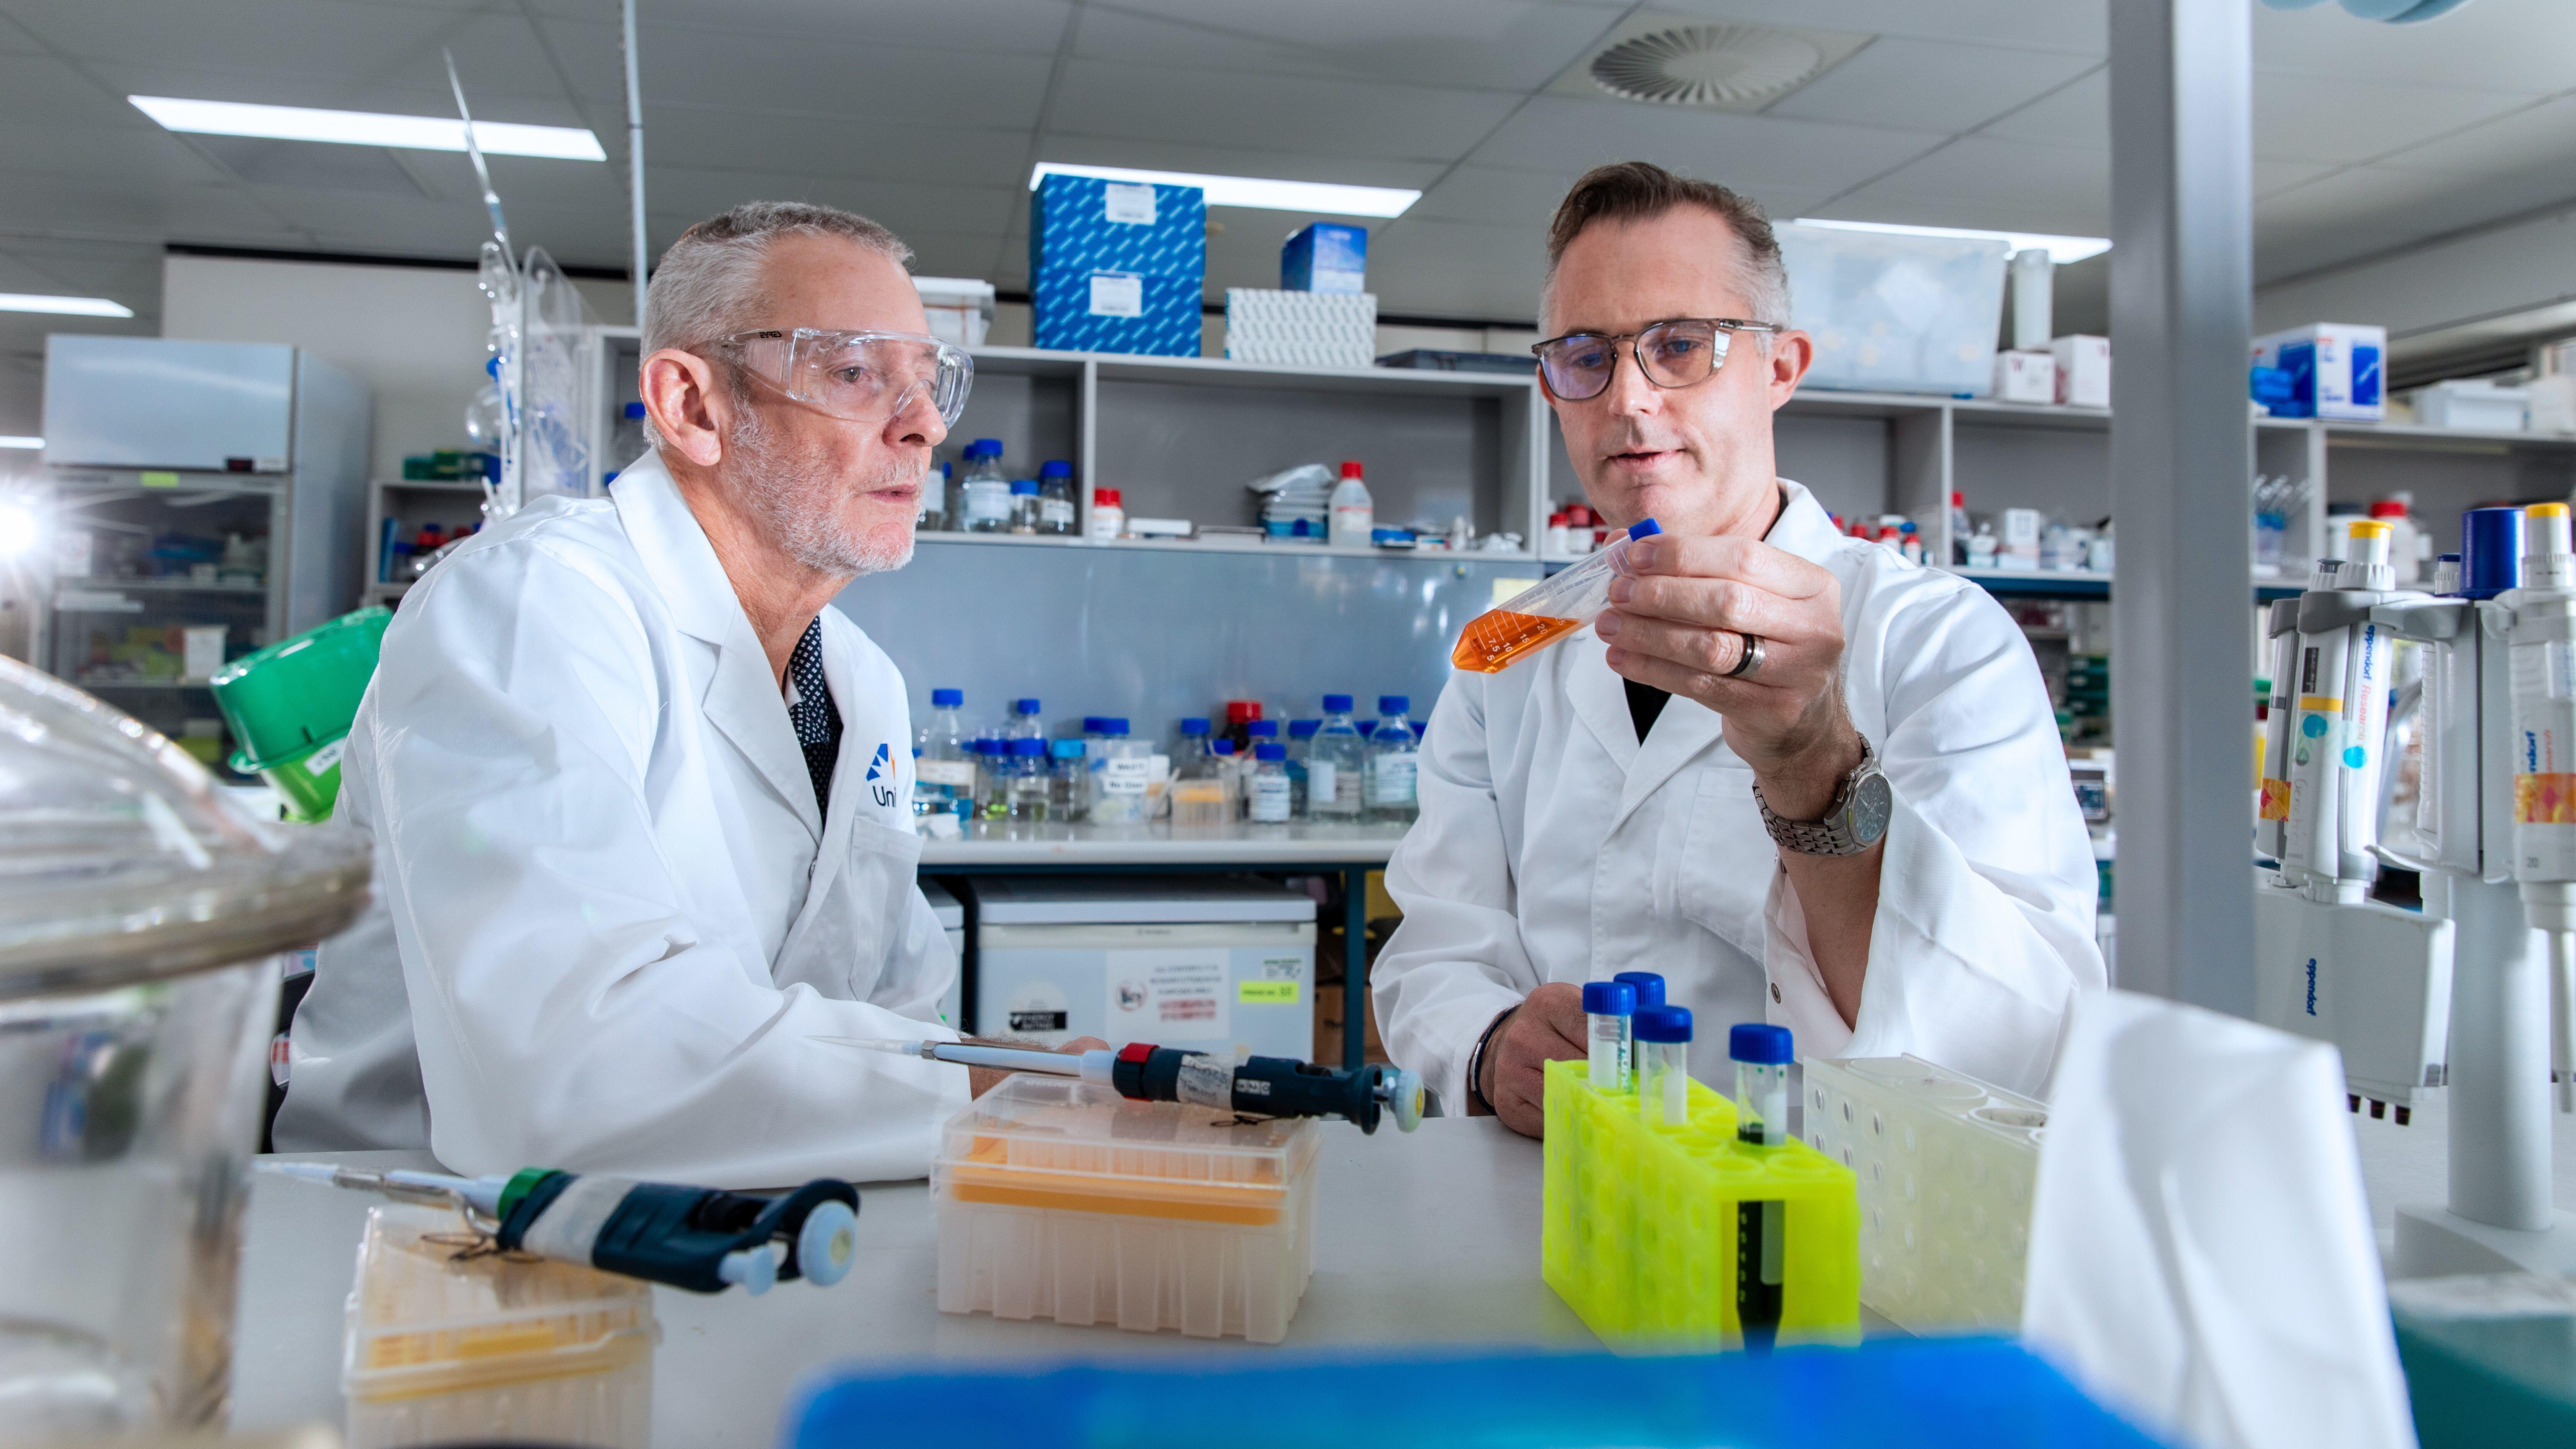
column 1946, row 1166
column 445, row 1351
column 1213, row 966
column 1895, row 313
column 1061, row 1199
column 2474, row 405
column 960, row 309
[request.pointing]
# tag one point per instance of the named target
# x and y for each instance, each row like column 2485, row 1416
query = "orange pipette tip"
column 1498, row 638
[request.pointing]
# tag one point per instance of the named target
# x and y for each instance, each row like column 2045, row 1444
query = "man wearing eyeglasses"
column 1799, row 778
column 641, row 802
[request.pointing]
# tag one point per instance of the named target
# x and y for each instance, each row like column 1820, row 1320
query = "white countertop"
column 1300, row 842
column 1425, row 1238
column 1422, row 1239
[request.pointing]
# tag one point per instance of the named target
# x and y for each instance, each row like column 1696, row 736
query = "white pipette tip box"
column 489, row 1348
column 1061, row 1199
column 1946, row 1166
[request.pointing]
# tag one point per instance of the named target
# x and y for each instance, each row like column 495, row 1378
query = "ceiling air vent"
column 1730, row 66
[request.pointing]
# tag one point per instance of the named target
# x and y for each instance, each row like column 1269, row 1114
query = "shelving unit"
column 415, row 502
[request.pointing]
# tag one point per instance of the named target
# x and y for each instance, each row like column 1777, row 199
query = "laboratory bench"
column 1301, row 846
column 1423, row 1239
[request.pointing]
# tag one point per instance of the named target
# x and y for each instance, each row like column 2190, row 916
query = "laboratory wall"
column 1158, row 634
column 414, row 335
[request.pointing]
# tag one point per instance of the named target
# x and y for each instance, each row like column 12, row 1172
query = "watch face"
column 1870, row 803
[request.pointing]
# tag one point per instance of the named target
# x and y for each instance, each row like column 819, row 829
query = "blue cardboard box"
column 1090, row 310
column 1082, row 224
column 1325, row 257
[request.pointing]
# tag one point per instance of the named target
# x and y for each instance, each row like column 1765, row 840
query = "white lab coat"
column 1552, row 846
column 608, row 921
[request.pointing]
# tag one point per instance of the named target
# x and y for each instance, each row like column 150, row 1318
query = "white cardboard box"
column 2083, row 370
column 2026, row 377
column 2338, row 367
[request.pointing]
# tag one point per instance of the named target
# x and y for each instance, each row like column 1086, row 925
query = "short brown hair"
column 1642, row 190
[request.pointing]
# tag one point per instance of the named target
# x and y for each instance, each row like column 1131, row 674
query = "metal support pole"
column 2181, row 463
column 1355, row 1000
column 634, row 161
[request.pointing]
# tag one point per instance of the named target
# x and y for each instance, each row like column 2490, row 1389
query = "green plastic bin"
column 290, row 706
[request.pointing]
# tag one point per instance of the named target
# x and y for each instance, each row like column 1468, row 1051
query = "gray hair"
column 710, row 280
column 1640, row 191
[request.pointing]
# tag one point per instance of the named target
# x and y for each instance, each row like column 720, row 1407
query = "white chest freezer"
column 1204, row 965
column 952, row 921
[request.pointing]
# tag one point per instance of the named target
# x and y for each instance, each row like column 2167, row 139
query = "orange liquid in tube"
column 1498, row 638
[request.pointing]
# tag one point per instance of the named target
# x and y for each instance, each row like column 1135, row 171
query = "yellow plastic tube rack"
column 1639, row 1238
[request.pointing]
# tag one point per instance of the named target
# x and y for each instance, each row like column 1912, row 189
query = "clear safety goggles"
column 865, row 377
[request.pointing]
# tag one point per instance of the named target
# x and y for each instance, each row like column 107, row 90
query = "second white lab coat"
column 1552, row 846
column 609, row 921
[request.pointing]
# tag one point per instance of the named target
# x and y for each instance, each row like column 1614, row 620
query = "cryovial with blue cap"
column 1608, row 1011
column 1663, row 1065
column 1762, row 1056
column 1650, row 987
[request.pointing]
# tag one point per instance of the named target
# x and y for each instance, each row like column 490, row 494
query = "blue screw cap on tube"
column 1115, row 724
column 1091, row 724
column 1760, row 1043
column 1026, row 706
column 1667, row 1024
column 1268, row 752
column 1337, row 704
column 1194, row 726
column 947, row 698
column 1392, row 705
column 1644, row 528
column 1609, row 998
column 2490, row 552
column 1028, row 747
column 1650, row 987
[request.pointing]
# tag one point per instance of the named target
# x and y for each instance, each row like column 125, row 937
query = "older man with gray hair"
column 641, row 802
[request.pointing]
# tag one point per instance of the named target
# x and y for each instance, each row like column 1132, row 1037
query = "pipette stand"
column 2499, row 1216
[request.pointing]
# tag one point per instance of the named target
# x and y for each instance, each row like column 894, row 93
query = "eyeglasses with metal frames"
column 1674, row 353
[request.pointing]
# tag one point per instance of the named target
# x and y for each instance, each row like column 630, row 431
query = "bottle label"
column 1057, row 512
column 1124, row 776
column 1106, row 522
column 1320, row 796
column 1270, row 799
column 945, row 772
column 1353, row 523
column 988, row 500
column 1391, row 778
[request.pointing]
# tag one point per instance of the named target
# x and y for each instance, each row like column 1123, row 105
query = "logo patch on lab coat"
column 877, row 766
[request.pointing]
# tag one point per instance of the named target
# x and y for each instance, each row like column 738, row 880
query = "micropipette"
column 698, row 1238
column 1254, row 1086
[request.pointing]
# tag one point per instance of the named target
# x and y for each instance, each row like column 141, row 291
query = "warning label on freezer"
column 1177, row 994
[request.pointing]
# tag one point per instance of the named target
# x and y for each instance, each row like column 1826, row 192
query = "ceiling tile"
column 717, row 139
column 1757, row 154
column 977, row 27
column 46, row 204
column 2512, row 45
column 2538, row 141
column 2382, row 207
column 147, row 156
column 835, row 80
column 1495, row 196
column 1979, row 181
column 1455, row 269
column 1921, row 85
column 337, row 51
column 2271, row 176
column 2079, row 115
column 1219, row 159
column 1106, row 99
column 2076, row 25
column 42, row 91
column 2314, row 118
column 1511, row 45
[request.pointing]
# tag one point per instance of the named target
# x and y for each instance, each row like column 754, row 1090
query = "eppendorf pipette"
column 1254, row 1086
column 699, row 1238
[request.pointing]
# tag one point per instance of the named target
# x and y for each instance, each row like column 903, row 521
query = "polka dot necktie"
column 818, row 724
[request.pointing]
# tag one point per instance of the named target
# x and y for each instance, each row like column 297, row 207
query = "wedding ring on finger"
column 1749, row 663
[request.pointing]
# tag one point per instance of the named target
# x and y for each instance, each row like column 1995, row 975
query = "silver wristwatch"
column 1852, row 824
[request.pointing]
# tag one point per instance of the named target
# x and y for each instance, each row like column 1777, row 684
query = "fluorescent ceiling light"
column 1311, row 196
column 65, row 306
column 369, row 128
column 7, row 441
column 2061, row 249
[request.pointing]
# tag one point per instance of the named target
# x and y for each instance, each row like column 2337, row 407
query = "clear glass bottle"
column 1055, row 498
column 933, row 517
column 1025, row 723
column 944, row 771
column 1190, row 744
column 1067, row 779
column 1026, row 787
column 1393, row 751
column 1269, row 799
column 1024, row 505
column 1301, row 740
column 983, row 495
column 1121, row 776
column 1335, row 764
column 993, row 777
